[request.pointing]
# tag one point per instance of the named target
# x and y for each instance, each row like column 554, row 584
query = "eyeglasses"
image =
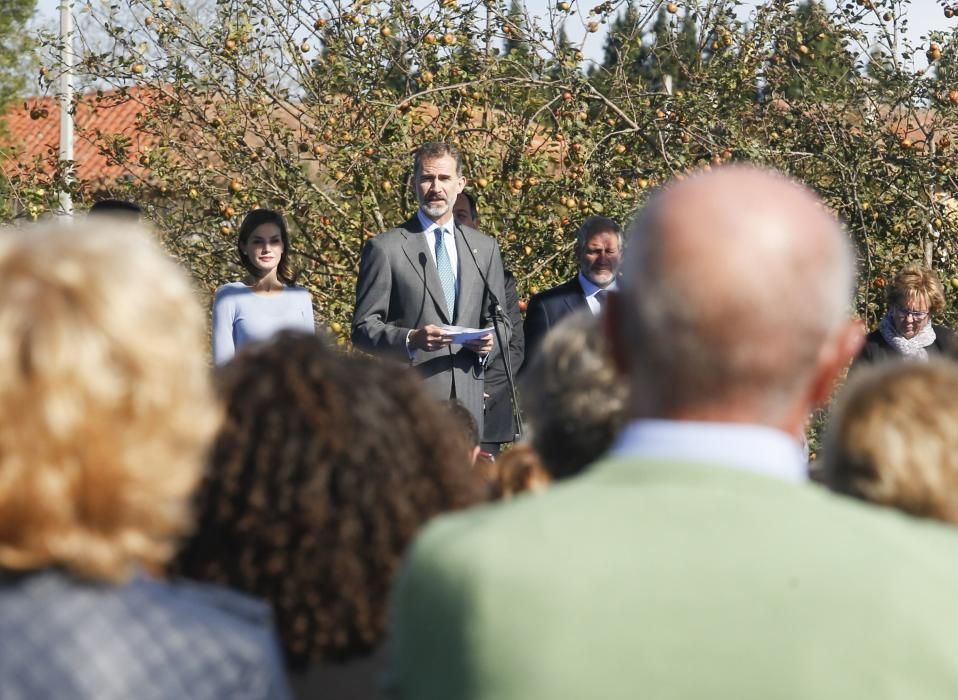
column 917, row 315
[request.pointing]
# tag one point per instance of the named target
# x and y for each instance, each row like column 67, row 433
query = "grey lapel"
column 416, row 250
column 470, row 284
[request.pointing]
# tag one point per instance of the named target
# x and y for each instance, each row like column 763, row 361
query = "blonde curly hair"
column 917, row 282
column 106, row 407
column 893, row 439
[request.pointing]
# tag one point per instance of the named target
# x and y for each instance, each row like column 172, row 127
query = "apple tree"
column 315, row 109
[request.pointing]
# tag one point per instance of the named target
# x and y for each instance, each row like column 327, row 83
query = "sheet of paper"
column 461, row 334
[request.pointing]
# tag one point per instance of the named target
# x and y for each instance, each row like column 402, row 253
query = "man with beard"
column 598, row 247
column 696, row 560
column 429, row 273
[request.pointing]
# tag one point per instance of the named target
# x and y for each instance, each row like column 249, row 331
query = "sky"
column 923, row 16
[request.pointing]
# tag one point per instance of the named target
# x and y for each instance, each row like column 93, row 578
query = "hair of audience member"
column 573, row 396
column 733, row 282
column 117, row 208
column 518, row 470
column 326, row 467
column 464, row 420
column 592, row 226
column 472, row 205
column 893, row 439
column 253, row 220
column 436, row 149
column 108, row 407
column 914, row 281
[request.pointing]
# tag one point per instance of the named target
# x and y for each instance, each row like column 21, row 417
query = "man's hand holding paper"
column 480, row 340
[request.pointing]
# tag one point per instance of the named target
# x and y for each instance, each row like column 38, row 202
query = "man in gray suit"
column 696, row 560
column 428, row 273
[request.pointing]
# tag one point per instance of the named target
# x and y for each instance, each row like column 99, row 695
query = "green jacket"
column 678, row 581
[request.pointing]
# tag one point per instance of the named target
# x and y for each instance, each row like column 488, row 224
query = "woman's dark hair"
column 463, row 420
column 325, row 468
column 117, row 207
column 252, row 221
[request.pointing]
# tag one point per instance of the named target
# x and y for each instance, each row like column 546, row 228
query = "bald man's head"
column 734, row 282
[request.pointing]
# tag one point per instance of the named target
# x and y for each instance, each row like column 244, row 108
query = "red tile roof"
column 107, row 141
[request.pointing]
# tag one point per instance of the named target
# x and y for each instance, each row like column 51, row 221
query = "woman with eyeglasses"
column 906, row 330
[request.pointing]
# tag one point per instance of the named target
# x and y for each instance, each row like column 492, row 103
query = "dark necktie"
column 602, row 296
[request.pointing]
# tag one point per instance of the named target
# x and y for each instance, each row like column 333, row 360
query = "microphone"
column 422, row 301
column 495, row 310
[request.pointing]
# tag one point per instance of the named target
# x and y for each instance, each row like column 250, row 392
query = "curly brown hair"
column 518, row 469
column 326, row 467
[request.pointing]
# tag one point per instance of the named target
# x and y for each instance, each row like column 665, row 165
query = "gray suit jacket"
column 398, row 290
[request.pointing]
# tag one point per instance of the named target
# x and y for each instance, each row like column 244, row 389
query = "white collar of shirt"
column 448, row 239
column 590, row 289
column 755, row 448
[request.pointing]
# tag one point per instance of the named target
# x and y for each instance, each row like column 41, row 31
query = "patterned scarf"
column 909, row 348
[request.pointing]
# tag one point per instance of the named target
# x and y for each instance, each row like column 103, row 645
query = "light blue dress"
column 241, row 316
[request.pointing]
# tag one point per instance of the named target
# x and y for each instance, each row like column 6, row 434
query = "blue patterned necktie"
column 445, row 274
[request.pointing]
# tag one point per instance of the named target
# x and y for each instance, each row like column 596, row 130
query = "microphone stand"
column 495, row 311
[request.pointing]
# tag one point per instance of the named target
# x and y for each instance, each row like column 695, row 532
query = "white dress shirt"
column 746, row 446
column 590, row 289
column 448, row 240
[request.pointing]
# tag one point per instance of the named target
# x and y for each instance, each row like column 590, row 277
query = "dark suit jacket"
column 546, row 309
column 61, row 637
column 876, row 349
column 500, row 420
column 355, row 679
column 398, row 290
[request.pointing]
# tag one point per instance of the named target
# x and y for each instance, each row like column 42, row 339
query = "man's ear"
column 612, row 316
column 840, row 350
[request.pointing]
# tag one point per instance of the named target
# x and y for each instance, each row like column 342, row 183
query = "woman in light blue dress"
column 266, row 301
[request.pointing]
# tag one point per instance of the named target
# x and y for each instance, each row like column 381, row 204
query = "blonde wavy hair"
column 916, row 282
column 106, row 406
column 893, row 439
